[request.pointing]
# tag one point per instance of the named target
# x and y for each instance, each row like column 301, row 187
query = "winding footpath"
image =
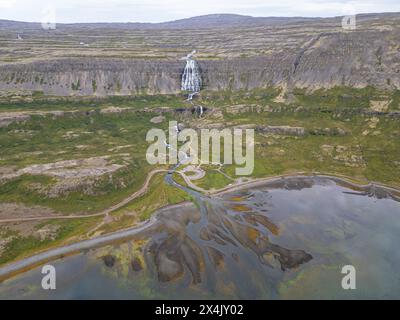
column 28, row 263
column 105, row 212
column 14, row 268
column 53, row 254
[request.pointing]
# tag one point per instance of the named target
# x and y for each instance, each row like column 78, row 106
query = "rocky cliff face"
column 93, row 77
column 312, row 55
column 325, row 61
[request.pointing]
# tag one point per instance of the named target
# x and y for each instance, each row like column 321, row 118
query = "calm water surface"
column 285, row 239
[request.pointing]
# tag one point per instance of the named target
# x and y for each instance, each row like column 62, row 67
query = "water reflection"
column 287, row 238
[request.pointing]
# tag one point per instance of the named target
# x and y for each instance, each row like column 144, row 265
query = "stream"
column 279, row 239
column 285, row 238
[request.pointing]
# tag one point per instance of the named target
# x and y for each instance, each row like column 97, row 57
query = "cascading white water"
column 201, row 111
column 191, row 79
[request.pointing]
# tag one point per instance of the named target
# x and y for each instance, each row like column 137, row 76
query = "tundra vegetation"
column 72, row 140
column 338, row 131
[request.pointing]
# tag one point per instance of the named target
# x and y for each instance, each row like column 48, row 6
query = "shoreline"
column 337, row 177
column 14, row 268
column 26, row 264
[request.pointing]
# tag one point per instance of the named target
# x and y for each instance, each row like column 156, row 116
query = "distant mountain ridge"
column 234, row 53
column 204, row 21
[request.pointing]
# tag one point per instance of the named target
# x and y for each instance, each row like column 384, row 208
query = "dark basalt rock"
column 316, row 54
column 136, row 264
column 109, row 260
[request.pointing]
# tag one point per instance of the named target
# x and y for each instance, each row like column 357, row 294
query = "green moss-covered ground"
column 367, row 151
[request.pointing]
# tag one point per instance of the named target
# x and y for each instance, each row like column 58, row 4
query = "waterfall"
column 191, row 79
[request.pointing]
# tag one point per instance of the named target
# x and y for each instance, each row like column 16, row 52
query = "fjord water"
column 283, row 239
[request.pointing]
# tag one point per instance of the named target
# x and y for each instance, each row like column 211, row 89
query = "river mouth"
column 283, row 239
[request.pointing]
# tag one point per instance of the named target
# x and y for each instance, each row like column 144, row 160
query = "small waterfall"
column 190, row 96
column 191, row 79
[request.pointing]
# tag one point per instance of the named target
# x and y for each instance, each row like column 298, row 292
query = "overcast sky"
column 166, row 10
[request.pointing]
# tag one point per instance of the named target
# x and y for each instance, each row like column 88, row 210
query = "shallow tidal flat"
column 287, row 238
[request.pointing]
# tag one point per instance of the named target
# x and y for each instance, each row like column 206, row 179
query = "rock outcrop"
column 312, row 54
